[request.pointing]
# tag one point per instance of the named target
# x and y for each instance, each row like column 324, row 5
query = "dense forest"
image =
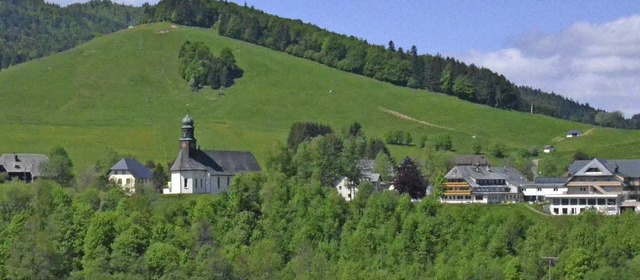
column 289, row 223
column 33, row 28
column 393, row 64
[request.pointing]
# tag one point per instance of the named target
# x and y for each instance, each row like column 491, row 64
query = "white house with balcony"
column 473, row 180
column 606, row 186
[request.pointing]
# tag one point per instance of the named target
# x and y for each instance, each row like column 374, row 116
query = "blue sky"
column 586, row 50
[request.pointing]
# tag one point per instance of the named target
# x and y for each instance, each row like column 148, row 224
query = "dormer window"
column 592, row 170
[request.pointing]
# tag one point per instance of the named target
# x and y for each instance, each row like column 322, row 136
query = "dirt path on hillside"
column 586, row 133
column 535, row 210
column 405, row 117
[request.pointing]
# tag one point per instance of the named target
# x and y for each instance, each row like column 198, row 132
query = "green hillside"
column 123, row 91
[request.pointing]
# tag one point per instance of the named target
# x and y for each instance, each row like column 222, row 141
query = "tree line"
column 34, row 28
column 389, row 63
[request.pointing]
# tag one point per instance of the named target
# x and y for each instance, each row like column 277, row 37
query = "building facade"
column 536, row 191
column 127, row 173
column 197, row 171
column 606, row 186
column 475, row 181
column 22, row 167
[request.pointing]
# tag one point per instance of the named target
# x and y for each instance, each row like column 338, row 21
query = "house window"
column 218, row 182
column 555, row 189
column 539, row 189
column 228, row 180
column 185, row 183
column 128, row 181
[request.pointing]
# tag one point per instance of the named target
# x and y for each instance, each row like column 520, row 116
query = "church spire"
column 188, row 139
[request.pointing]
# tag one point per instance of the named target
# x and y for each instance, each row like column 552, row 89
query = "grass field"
column 123, row 91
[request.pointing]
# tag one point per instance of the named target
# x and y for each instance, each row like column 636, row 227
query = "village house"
column 22, row 167
column 197, row 171
column 573, row 133
column 348, row 190
column 549, row 149
column 536, row 191
column 473, row 180
column 607, row 186
column 128, row 173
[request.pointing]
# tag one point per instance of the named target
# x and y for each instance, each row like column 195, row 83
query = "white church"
column 198, row 171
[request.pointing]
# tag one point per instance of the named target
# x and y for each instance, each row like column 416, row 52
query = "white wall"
column 347, row 193
column 198, row 182
column 126, row 181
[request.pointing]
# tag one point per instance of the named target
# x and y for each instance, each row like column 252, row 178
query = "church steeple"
column 188, row 139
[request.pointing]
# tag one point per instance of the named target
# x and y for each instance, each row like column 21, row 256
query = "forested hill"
column 33, row 28
column 391, row 63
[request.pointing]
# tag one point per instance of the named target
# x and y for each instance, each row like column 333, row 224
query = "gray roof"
column 550, row 180
column 134, row 167
column 30, row 163
column 471, row 160
column 546, row 182
column 472, row 173
column 225, row 162
column 625, row 167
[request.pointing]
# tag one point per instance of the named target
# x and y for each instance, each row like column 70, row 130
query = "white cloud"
column 598, row 64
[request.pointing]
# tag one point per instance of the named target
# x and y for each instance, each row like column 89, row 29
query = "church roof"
column 31, row 163
column 226, row 162
column 136, row 169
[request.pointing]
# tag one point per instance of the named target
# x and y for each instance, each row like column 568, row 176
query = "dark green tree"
column 497, row 150
column 443, row 143
column 60, row 167
column 410, row 180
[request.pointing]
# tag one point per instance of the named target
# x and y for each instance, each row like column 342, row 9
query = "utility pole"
column 550, row 259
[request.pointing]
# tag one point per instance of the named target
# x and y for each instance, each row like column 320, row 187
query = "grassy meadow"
column 123, row 91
